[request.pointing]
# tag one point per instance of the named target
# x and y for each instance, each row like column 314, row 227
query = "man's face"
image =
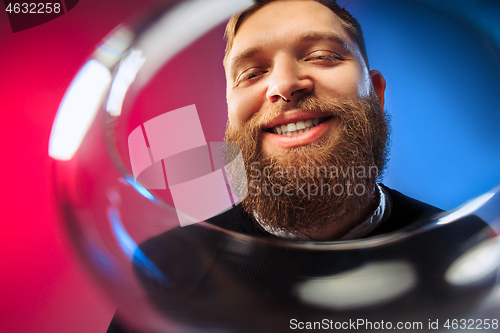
column 285, row 48
column 299, row 50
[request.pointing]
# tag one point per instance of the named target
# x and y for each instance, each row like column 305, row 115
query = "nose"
column 287, row 81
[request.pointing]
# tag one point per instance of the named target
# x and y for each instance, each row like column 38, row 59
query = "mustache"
column 308, row 103
column 341, row 108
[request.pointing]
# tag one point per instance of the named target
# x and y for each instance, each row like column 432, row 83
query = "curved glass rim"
column 199, row 31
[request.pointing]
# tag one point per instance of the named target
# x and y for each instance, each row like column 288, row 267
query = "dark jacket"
column 214, row 280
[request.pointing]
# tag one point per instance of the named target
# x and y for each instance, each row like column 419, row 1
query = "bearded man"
column 308, row 115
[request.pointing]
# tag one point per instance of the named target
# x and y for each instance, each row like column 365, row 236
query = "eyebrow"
column 329, row 36
column 307, row 37
column 241, row 58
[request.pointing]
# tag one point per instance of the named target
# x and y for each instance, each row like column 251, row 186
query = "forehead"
column 283, row 21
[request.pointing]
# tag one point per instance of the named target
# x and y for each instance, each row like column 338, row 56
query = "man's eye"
column 253, row 75
column 248, row 76
column 324, row 57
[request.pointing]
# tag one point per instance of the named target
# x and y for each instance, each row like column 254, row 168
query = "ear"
column 379, row 85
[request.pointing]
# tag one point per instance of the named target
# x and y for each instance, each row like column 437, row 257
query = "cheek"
column 235, row 115
column 232, row 108
column 348, row 86
column 241, row 106
column 365, row 84
column 350, row 82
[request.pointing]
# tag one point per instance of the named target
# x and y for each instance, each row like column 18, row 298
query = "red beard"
column 311, row 187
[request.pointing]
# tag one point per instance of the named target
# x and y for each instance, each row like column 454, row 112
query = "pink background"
column 43, row 286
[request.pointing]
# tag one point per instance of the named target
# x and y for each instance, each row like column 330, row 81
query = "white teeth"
column 296, row 128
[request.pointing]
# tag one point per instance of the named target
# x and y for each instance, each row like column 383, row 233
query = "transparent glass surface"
column 137, row 170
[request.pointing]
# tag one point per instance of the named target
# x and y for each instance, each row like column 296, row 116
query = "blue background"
column 442, row 66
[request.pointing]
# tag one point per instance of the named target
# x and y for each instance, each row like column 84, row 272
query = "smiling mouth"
column 296, row 128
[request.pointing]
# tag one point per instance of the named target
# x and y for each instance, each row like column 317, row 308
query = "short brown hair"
column 351, row 25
